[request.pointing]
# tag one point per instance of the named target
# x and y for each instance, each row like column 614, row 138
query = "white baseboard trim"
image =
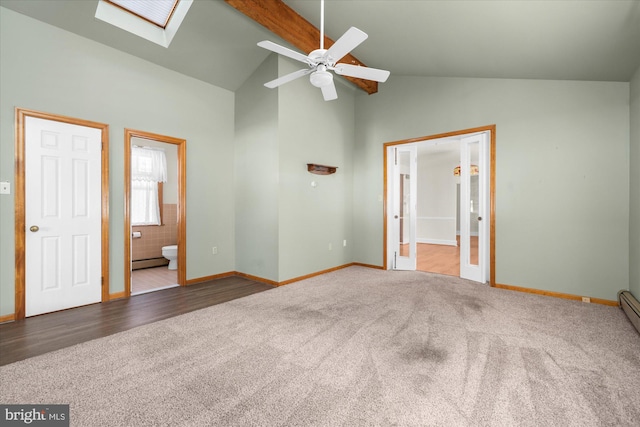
column 437, row 241
column 437, row 218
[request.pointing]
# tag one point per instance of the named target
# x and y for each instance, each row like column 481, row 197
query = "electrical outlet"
column 5, row 187
column 586, row 299
column 215, row 250
column 330, row 247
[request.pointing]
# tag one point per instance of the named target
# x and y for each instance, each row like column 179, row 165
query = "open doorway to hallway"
column 442, row 259
column 445, row 223
column 438, row 207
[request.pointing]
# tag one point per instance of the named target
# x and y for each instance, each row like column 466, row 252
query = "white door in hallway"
column 402, row 162
column 62, row 215
column 474, row 207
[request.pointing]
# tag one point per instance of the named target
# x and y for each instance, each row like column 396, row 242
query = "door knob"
column 396, row 216
column 479, row 218
column 34, row 228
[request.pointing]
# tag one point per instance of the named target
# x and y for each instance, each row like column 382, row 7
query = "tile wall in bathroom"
column 154, row 237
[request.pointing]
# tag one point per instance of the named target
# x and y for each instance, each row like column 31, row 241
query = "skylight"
column 154, row 20
column 155, row 11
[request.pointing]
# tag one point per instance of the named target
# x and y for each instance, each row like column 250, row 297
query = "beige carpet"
column 357, row 347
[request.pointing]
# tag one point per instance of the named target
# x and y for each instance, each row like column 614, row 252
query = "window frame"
column 166, row 22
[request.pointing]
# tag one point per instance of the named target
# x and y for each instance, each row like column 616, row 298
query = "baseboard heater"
column 631, row 307
column 146, row 263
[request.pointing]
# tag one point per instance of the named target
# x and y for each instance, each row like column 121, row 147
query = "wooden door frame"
column 492, row 189
column 21, row 115
column 182, row 203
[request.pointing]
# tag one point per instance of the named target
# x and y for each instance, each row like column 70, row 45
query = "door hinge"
column 395, row 156
column 395, row 260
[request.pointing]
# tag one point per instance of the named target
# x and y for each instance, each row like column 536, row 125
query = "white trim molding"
column 437, row 241
column 438, row 218
column 124, row 20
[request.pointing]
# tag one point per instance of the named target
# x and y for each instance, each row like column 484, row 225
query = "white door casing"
column 474, row 207
column 62, row 215
column 402, row 162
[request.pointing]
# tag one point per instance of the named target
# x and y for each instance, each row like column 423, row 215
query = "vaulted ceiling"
column 595, row 40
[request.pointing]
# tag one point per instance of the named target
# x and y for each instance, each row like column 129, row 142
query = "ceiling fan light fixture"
column 321, row 78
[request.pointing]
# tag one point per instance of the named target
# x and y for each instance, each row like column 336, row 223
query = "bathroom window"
column 148, row 172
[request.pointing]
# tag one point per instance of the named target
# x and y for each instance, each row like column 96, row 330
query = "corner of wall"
column 315, row 211
column 256, row 174
column 634, row 184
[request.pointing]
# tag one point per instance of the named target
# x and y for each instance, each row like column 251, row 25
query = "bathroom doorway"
column 155, row 227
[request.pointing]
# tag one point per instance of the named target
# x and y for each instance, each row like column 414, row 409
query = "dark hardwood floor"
column 48, row 332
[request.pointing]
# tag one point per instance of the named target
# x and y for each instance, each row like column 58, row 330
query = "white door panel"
column 474, row 207
column 63, row 215
column 402, row 221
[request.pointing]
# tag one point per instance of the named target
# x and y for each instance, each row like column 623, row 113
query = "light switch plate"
column 5, row 187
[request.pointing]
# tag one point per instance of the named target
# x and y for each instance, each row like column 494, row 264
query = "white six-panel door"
column 63, row 215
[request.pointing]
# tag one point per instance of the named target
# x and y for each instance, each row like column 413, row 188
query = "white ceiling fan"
column 320, row 61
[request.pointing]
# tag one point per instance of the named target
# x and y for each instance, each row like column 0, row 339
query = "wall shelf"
column 321, row 169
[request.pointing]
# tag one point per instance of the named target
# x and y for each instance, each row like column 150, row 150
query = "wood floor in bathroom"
column 147, row 279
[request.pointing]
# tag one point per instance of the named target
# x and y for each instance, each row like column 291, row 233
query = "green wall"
column 634, row 194
column 284, row 226
column 47, row 69
column 568, row 213
column 257, row 174
column 312, row 130
column 562, row 192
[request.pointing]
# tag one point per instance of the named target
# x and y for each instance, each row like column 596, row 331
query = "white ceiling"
column 595, row 40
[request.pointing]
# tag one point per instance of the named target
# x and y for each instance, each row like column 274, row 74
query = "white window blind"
column 157, row 11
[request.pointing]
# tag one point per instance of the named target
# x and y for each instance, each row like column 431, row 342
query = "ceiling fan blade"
column 284, row 51
column 345, row 44
column 361, row 72
column 329, row 92
column 288, row 77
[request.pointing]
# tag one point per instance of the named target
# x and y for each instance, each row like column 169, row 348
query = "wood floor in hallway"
column 443, row 259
